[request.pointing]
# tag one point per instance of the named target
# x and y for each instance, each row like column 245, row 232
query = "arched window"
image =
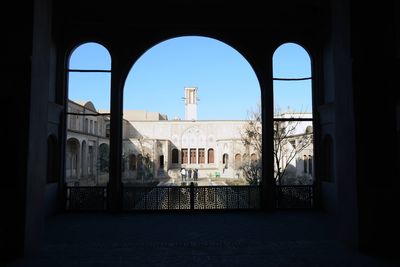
column 193, row 156
column 140, row 162
column 107, row 133
column 90, row 157
column 238, row 161
column 104, row 155
column 184, row 156
column 161, row 160
column 84, row 155
column 210, row 155
column 201, row 156
column 293, row 117
column 132, row 162
column 175, row 156
column 86, row 129
column 89, row 75
column 89, row 80
column 225, row 160
column 71, row 159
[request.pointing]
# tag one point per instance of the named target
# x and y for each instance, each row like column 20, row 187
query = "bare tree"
column 287, row 144
column 251, row 137
column 145, row 161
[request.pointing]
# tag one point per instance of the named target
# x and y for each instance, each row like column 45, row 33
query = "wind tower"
column 190, row 103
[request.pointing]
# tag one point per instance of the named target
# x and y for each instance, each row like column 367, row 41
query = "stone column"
column 115, row 185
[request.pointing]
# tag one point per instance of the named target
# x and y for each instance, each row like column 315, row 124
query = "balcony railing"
column 189, row 197
column 86, row 198
column 294, row 196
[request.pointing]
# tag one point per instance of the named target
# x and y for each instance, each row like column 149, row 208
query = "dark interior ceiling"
column 143, row 24
column 172, row 12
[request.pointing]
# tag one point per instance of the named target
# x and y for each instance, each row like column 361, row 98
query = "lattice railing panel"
column 294, row 196
column 191, row 197
column 86, row 198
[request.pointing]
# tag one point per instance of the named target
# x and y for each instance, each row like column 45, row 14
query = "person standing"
column 189, row 174
column 183, row 174
column 195, row 174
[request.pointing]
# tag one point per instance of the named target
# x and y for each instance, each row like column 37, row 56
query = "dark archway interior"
column 355, row 61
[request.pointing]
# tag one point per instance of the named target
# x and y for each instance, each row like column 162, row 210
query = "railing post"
column 312, row 194
column 249, row 197
column 237, row 197
column 105, row 197
column 191, row 192
column 168, row 198
column 66, row 197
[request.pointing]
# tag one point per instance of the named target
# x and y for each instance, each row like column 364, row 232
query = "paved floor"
column 282, row 238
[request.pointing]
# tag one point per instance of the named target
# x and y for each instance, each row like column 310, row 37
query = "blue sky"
column 227, row 85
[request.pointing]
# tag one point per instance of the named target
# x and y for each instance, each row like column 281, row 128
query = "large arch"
column 193, row 147
column 221, row 40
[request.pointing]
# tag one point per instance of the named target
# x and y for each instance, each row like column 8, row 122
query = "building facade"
column 87, row 147
column 155, row 148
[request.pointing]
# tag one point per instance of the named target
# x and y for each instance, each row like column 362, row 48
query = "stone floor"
column 281, row 238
